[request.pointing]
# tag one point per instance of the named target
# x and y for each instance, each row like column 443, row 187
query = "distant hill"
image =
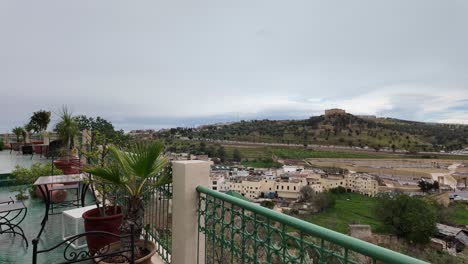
column 337, row 129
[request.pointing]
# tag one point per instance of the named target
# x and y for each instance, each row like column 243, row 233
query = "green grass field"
column 262, row 164
column 257, row 152
column 350, row 208
column 294, row 153
column 460, row 214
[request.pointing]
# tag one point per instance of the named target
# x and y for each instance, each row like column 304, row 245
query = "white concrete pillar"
column 187, row 175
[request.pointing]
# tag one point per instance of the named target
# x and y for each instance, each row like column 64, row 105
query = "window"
column 294, row 187
column 287, row 188
column 215, row 188
column 282, row 187
column 215, row 182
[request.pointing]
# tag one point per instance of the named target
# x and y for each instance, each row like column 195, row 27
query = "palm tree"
column 67, row 129
column 133, row 172
column 18, row 131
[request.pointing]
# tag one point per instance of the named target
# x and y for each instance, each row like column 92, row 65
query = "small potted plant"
column 67, row 129
column 133, row 172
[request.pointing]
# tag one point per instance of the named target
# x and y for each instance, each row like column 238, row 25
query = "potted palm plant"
column 134, row 172
column 67, row 129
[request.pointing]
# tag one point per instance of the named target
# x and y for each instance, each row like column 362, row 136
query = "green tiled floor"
column 13, row 249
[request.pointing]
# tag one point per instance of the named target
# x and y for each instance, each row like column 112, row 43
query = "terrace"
column 190, row 223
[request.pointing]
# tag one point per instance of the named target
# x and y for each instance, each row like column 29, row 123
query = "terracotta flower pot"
column 57, row 196
column 150, row 245
column 93, row 221
column 71, row 166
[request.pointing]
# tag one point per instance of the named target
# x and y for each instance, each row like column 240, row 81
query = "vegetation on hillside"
column 339, row 129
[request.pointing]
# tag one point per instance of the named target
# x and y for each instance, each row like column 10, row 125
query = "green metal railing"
column 158, row 217
column 237, row 231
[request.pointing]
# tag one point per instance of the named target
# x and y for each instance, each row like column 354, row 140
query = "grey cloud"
column 136, row 63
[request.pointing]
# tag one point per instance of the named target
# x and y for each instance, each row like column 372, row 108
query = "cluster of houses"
column 286, row 183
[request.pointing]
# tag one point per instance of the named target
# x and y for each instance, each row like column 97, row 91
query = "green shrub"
column 408, row 217
column 29, row 175
column 338, row 190
column 2, row 145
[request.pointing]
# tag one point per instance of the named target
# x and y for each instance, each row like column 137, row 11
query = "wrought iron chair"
column 15, row 146
column 27, row 149
column 71, row 255
column 12, row 213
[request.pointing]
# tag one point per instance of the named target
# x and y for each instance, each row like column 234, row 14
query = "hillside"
column 338, row 129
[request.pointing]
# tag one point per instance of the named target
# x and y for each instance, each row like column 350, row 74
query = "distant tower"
column 334, row 111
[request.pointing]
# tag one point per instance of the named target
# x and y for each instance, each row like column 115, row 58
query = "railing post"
column 187, row 175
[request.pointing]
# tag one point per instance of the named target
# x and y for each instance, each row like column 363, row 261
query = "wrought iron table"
column 42, row 148
column 45, row 185
column 12, row 213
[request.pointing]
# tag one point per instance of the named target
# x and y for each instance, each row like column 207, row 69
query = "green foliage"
column 460, row 213
column 236, row 155
column 21, row 195
column 294, row 153
column 262, row 163
column 221, row 154
column 267, row 204
column 2, row 145
column 350, row 208
column 427, row 186
column 133, row 169
column 67, row 128
column 18, row 131
column 338, row 190
column 202, row 147
column 132, row 172
column 408, row 217
column 102, row 134
column 29, row 175
column 320, row 201
column 345, row 130
column 39, row 121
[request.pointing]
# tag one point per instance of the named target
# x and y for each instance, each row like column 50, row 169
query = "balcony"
column 193, row 224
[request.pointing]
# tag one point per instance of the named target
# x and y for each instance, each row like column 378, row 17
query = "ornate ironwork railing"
column 158, row 219
column 105, row 255
column 237, row 231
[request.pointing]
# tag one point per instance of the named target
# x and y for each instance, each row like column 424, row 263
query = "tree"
column 202, row 147
column 236, row 155
column 408, row 217
column 40, row 120
column 211, row 151
column 435, row 185
column 67, row 129
column 427, row 186
column 306, row 194
column 18, row 131
column 320, row 201
column 267, row 204
column 102, row 134
column 324, row 200
column 221, row 154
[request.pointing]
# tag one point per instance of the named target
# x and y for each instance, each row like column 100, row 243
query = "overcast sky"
column 153, row 64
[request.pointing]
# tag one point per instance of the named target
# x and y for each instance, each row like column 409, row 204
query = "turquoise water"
column 13, row 249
